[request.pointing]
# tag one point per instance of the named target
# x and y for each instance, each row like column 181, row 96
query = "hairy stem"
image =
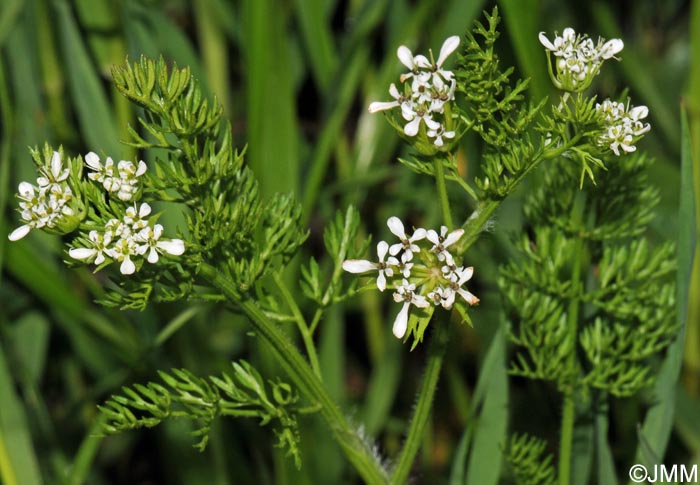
column 421, row 413
column 309, row 385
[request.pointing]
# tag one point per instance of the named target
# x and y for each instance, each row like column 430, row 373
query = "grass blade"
column 657, row 426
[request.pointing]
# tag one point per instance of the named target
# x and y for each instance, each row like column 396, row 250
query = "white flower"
column 414, row 115
column 46, row 205
column 624, row 126
column 122, row 179
column 577, row 58
column 55, row 175
column 442, row 296
column 150, row 236
column 443, row 241
column 122, row 251
column 406, row 293
column 407, row 243
column 383, row 266
column 96, row 253
column 137, row 220
column 460, row 277
column 439, row 134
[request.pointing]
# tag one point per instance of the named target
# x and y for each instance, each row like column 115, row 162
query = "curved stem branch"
column 310, row 386
column 301, row 324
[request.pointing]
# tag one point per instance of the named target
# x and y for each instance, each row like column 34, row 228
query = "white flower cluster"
column 132, row 237
column 577, row 58
column 624, row 125
column 46, row 204
column 424, row 99
column 421, row 275
column 122, row 179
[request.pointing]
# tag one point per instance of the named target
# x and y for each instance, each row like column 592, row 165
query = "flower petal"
column 448, row 47
column 546, row 42
column 358, row 265
column 453, row 237
column 19, row 233
column 127, row 266
column 82, row 253
column 465, row 275
column 611, row 47
column 381, row 281
column 56, row 165
column 405, row 56
column 401, row 322
column 377, row 106
column 411, row 128
column 396, row 227
column 174, row 246
column 93, row 161
column 382, row 249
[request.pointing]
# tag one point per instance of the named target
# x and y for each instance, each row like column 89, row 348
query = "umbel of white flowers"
column 124, row 240
column 47, row 204
column 623, row 125
column 421, row 270
column 577, row 59
column 424, row 99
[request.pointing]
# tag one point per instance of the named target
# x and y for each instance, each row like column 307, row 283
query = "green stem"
column 442, row 192
column 569, row 406
column 421, row 413
column 301, row 324
column 311, row 387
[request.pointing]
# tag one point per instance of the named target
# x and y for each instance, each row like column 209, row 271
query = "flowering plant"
column 193, row 224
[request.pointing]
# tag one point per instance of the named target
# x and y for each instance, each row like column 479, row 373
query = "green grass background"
column 295, row 78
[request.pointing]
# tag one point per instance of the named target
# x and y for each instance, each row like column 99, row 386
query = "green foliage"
column 625, row 288
column 227, row 219
column 184, row 395
column 529, row 461
column 339, row 238
column 496, row 111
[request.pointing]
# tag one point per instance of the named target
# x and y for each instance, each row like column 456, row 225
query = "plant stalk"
column 310, row 386
column 421, row 413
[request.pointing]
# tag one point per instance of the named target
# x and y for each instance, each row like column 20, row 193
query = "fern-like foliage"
column 242, row 393
column 496, row 110
column 529, row 461
column 228, row 221
column 598, row 326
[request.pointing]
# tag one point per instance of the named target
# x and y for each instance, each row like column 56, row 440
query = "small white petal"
column 93, row 161
column 468, row 297
column 466, row 275
column 546, row 43
column 453, row 237
column 421, row 61
column 26, row 190
column 411, row 128
column 56, row 165
column 405, row 56
column 144, row 210
column 82, row 253
column 382, row 106
column 152, row 256
column 358, row 266
column 175, row 246
column 639, row 112
column 419, row 234
column 432, row 236
column 611, row 47
column 19, row 233
column 401, row 322
column 394, row 91
column 382, row 249
column 381, row 281
column 396, row 227
column 127, row 266
column 448, row 47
